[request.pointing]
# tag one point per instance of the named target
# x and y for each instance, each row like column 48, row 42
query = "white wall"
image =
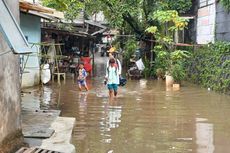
column 206, row 23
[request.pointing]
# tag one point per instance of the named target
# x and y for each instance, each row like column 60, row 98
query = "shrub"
column 210, row 66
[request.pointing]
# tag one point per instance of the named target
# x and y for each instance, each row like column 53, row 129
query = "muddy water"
column 145, row 118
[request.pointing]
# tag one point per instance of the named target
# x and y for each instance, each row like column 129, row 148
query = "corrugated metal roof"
column 35, row 7
column 39, row 14
column 95, row 24
column 39, row 10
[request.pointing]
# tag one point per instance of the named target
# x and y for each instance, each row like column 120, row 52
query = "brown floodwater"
column 145, row 118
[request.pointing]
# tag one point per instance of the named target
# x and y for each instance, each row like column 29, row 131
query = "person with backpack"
column 122, row 81
column 113, row 55
column 112, row 77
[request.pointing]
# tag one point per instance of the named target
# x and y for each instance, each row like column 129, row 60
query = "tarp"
column 87, row 63
column 45, row 74
column 140, row 65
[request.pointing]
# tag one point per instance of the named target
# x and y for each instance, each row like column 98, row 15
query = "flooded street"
column 145, row 118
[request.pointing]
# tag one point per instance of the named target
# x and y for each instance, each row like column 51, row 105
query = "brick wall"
column 206, row 23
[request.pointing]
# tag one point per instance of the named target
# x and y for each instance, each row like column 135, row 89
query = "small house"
column 31, row 15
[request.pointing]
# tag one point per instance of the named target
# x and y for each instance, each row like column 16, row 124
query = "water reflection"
column 144, row 118
column 46, row 95
column 143, row 84
column 82, row 120
column 113, row 115
column 83, row 102
column 204, row 136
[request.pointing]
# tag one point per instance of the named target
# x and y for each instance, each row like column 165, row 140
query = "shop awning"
column 95, row 24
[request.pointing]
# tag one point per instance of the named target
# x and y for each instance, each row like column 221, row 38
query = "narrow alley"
column 144, row 118
column 114, row 76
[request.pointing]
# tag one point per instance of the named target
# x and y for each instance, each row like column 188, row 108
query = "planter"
column 169, row 81
column 176, row 87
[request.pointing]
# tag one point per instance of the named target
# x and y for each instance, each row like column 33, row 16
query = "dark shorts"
column 81, row 82
column 112, row 87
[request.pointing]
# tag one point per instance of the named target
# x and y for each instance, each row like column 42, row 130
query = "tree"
column 136, row 13
column 128, row 16
column 133, row 15
column 226, row 4
column 71, row 8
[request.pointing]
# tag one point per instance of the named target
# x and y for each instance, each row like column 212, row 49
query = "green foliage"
column 130, row 48
column 71, row 8
column 226, row 4
column 210, row 66
column 152, row 29
column 178, row 72
column 180, row 5
column 172, row 18
column 162, row 60
column 180, row 55
column 117, row 12
column 170, row 61
column 137, row 13
column 167, row 58
column 57, row 4
column 148, row 71
column 165, row 15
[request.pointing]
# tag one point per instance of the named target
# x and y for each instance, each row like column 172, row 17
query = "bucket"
column 176, row 87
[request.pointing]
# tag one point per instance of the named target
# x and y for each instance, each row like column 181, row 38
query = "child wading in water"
column 82, row 77
column 112, row 77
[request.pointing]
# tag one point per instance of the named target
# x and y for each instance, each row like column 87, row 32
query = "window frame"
column 207, row 3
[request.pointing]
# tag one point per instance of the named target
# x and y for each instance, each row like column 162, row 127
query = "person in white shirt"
column 112, row 77
column 117, row 61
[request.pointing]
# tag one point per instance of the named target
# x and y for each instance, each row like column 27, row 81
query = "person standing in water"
column 112, row 77
column 82, row 74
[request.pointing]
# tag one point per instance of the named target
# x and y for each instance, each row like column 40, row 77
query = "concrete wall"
column 206, row 23
column 10, row 108
column 31, row 27
column 222, row 24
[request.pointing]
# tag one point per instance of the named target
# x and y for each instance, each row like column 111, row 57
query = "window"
column 11, row 31
column 204, row 3
column 179, row 36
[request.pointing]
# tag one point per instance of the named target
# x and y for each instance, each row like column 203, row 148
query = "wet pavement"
column 144, row 118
